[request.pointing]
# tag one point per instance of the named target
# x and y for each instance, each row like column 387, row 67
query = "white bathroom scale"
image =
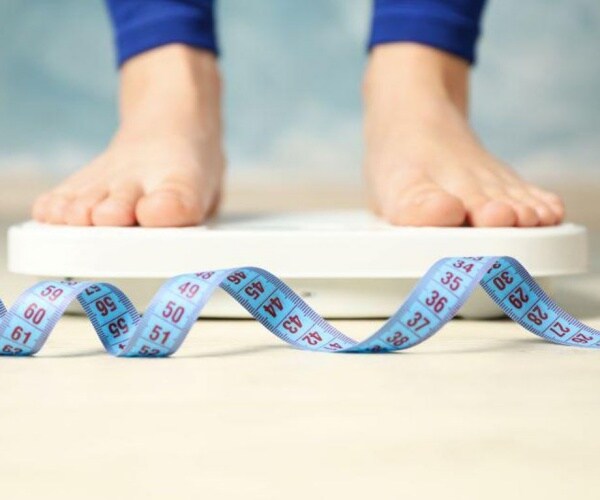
column 345, row 264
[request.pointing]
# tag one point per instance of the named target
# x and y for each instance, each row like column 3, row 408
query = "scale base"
column 346, row 264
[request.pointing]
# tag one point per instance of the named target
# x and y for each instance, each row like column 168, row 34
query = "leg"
column 424, row 165
column 164, row 165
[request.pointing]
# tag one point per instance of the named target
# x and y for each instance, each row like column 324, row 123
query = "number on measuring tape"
column 24, row 328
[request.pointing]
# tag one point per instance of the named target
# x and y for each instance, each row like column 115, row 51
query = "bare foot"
column 424, row 165
column 164, row 166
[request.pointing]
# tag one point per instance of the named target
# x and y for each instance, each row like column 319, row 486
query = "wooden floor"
column 481, row 411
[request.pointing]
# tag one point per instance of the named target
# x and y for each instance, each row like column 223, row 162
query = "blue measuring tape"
column 161, row 330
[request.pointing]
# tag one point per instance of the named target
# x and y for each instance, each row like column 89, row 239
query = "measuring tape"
column 163, row 327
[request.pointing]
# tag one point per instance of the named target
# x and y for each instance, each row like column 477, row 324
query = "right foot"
column 424, row 164
column 164, row 167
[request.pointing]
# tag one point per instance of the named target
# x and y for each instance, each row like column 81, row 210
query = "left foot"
column 424, row 165
column 164, row 167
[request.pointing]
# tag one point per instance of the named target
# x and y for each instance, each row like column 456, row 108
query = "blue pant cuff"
column 450, row 35
column 196, row 32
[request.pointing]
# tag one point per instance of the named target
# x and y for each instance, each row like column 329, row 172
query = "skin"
column 423, row 164
column 165, row 164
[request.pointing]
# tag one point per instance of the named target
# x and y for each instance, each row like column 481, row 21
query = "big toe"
column 170, row 207
column 425, row 206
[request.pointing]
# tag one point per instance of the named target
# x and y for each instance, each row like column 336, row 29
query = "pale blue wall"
column 293, row 77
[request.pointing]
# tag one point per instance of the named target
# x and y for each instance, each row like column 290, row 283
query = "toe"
column 80, row 211
column 171, row 207
column 527, row 216
column 56, row 208
column 546, row 214
column 118, row 208
column 523, row 204
column 39, row 211
column 552, row 201
column 485, row 212
column 425, row 206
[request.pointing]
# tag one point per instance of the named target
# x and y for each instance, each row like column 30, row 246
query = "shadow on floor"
column 530, row 344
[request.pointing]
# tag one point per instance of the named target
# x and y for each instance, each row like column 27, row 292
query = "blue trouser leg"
column 449, row 25
column 141, row 25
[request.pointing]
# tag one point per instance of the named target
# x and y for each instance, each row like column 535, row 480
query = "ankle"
column 415, row 71
column 175, row 73
column 165, row 66
column 171, row 87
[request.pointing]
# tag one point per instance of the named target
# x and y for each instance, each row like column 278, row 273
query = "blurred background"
column 293, row 74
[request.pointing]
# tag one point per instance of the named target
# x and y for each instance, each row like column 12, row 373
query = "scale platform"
column 345, row 264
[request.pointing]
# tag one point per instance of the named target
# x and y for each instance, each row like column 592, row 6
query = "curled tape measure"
column 163, row 327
